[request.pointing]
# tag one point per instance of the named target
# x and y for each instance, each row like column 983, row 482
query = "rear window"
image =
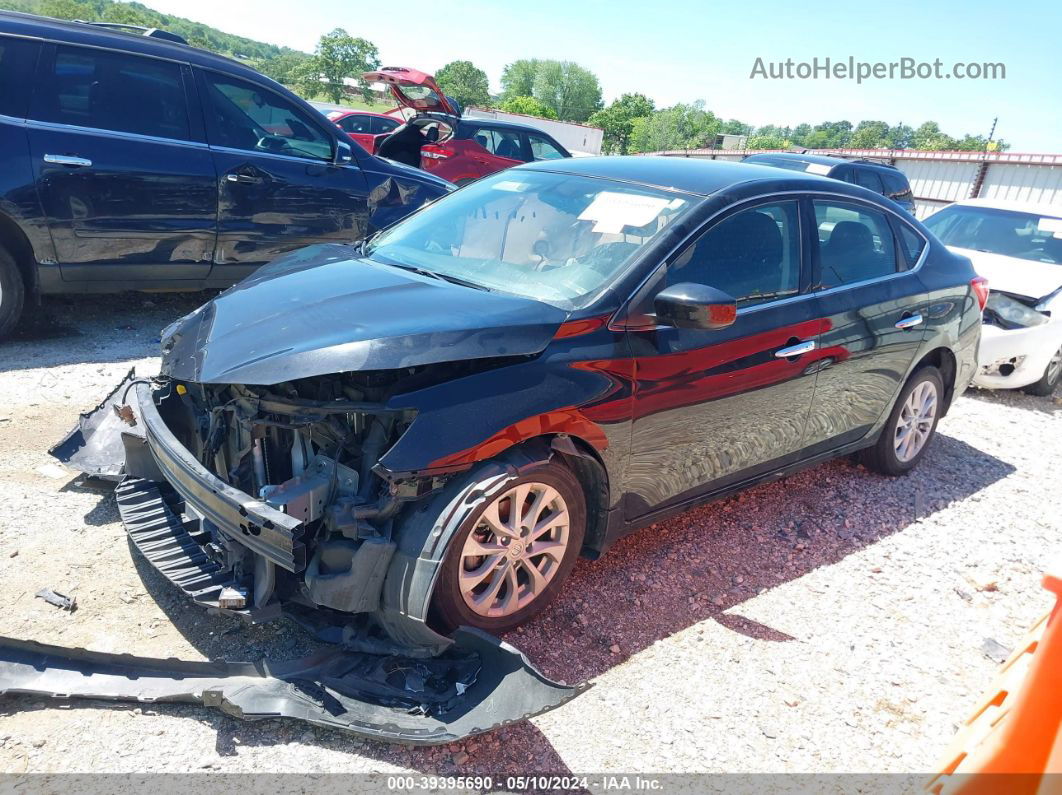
column 115, row 91
column 896, row 186
column 17, row 61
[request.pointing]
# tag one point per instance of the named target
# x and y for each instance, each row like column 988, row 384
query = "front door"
column 712, row 408
column 127, row 184
column 278, row 185
column 875, row 304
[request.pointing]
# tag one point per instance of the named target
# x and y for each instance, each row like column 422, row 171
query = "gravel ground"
column 833, row 621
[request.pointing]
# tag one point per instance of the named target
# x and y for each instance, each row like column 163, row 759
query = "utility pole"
column 991, row 132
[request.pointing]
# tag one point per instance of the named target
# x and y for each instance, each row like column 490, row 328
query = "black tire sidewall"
column 448, row 608
column 886, row 445
column 1044, row 387
column 12, row 293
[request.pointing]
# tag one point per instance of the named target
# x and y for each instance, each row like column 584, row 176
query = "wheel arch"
column 18, row 245
column 944, row 360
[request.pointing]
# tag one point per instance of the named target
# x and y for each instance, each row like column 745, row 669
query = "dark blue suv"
column 138, row 162
column 881, row 178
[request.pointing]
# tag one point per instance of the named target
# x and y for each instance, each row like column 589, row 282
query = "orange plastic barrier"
column 1017, row 729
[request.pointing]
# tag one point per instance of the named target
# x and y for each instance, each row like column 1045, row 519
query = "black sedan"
column 424, row 431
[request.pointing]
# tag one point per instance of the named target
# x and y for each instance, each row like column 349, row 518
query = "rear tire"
column 1045, row 387
column 516, row 576
column 12, row 293
column 911, row 425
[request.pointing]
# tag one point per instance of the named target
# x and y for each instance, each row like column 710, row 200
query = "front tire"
column 12, row 293
column 512, row 554
column 1045, row 387
column 911, row 425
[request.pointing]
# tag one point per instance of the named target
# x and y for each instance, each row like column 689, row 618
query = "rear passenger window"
column 754, row 255
column 384, row 125
column 18, row 59
column 356, row 124
column 868, row 179
column 896, row 187
column 502, row 143
column 114, row 91
column 912, row 243
column 855, row 243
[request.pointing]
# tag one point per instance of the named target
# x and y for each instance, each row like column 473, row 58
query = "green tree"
column 759, row 141
column 529, row 106
column 617, row 121
column 929, row 136
column 518, row 78
column 573, row 92
column 799, row 134
column 338, row 57
column 900, row 136
column 870, row 135
column 465, row 82
column 284, row 68
column 678, row 127
column 735, row 127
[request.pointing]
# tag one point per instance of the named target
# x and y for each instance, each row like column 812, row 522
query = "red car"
column 464, row 149
column 363, row 126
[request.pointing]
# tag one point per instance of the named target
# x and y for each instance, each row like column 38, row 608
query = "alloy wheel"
column 915, row 422
column 515, row 550
column 1054, row 367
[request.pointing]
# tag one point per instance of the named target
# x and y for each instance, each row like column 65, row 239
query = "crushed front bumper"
column 173, row 509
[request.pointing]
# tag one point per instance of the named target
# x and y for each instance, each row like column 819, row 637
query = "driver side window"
column 754, row 255
column 247, row 117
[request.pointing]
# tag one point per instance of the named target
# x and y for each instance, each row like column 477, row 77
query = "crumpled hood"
column 323, row 310
column 1013, row 275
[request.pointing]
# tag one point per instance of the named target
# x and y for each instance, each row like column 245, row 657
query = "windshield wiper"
column 436, row 275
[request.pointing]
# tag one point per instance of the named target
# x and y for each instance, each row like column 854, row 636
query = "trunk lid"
column 413, row 89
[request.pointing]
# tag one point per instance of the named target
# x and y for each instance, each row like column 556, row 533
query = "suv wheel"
column 12, row 293
column 1049, row 380
column 511, row 555
column 911, row 425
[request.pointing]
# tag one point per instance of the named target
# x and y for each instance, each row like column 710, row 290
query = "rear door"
column 713, row 408
column 279, row 185
column 495, row 149
column 122, row 169
column 874, row 305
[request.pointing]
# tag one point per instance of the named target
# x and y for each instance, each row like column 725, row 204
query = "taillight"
column 980, row 288
column 433, row 152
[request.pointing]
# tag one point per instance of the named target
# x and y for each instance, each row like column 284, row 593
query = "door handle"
column 909, row 322
column 245, row 179
column 67, row 160
column 795, row 350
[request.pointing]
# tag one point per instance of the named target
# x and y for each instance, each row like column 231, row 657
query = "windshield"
column 1028, row 236
column 557, row 238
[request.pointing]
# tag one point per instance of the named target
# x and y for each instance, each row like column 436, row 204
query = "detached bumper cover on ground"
column 479, row 684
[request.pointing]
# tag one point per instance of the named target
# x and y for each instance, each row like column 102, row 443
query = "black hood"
column 324, row 310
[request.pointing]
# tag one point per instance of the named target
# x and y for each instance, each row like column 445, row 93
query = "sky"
column 682, row 51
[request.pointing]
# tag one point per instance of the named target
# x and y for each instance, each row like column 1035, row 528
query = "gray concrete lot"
column 833, row 621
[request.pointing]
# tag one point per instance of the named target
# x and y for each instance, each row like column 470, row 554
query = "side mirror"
column 689, row 305
column 344, row 154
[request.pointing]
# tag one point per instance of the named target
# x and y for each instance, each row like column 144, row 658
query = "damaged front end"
column 269, row 500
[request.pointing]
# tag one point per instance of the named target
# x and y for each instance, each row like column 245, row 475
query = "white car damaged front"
column 1018, row 249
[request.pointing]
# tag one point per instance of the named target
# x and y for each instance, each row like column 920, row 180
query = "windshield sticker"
column 511, row 185
column 818, row 168
column 1051, row 226
column 610, row 211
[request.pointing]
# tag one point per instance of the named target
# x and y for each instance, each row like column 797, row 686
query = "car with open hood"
column 421, row 433
column 1017, row 246
column 460, row 150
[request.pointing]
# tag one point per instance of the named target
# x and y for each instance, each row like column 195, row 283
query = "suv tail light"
column 980, row 288
column 436, row 152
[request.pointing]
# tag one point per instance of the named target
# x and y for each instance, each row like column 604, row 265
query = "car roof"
column 50, row 29
column 1034, row 208
column 687, row 174
column 800, row 157
column 504, row 125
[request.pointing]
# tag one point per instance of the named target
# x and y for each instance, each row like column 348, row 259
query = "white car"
column 1017, row 246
